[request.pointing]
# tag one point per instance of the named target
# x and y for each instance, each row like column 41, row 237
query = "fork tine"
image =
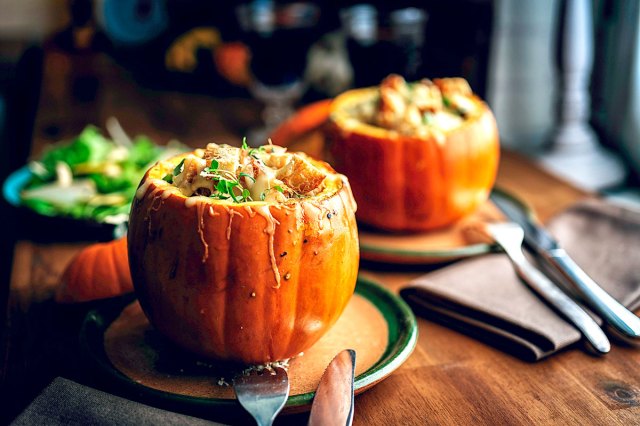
column 262, row 395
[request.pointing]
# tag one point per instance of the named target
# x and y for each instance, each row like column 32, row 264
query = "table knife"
column 333, row 402
column 550, row 252
column 509, row 236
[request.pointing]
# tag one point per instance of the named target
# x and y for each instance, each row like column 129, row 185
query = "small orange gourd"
column 99, row 271
column 306, row 119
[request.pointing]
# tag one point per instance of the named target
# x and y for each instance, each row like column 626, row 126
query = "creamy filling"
column 420, row 107
column 237, row 175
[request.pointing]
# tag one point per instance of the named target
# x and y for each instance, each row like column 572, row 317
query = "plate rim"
column 13, row 183
column 403, row 337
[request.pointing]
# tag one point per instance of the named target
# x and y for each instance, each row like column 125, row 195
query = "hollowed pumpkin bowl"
column 252, row 282
column 413, row 182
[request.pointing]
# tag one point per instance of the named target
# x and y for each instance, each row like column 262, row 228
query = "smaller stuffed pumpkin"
column 97, row 272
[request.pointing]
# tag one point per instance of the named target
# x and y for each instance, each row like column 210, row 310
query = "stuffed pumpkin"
column 243, row 254
column 418, row 155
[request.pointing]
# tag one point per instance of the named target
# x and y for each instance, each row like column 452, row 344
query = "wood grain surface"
column 450, row 378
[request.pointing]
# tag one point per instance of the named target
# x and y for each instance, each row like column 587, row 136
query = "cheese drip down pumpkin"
column 243, row 254
column 418, row 155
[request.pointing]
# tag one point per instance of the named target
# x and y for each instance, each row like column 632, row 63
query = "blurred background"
column 186, row 69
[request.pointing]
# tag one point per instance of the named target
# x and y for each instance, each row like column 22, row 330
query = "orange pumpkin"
column 413, row 182
column 305, row 120
column 96, row 272
column 253, row 282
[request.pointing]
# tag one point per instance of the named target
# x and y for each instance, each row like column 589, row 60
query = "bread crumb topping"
column 418, row 108
column 268, row 173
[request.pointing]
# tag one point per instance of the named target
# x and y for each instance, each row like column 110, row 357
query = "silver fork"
column 262, row 393
column 510, row 236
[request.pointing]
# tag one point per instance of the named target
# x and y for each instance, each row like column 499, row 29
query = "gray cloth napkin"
column 484, row 298
column 65, row 402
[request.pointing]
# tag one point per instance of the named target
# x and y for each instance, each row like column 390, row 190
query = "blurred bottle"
column 279, row 35
column 80, row 41
column 408, row 34
column 383, row 39
column 360, row 26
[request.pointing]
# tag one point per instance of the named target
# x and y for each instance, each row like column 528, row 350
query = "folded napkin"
column 484, row 298
column 65, row 402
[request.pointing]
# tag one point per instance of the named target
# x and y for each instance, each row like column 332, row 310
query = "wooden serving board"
column 142, row 354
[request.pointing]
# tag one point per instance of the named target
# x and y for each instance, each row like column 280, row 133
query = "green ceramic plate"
column 402, row 337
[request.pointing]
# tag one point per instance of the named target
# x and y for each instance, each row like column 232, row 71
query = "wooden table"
column 449, row 379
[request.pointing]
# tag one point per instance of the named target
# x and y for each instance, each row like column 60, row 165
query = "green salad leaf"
column 114, row 171
column 88, row 147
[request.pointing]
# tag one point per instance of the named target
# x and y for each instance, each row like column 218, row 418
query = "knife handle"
column 614, row 313
column 563, row 303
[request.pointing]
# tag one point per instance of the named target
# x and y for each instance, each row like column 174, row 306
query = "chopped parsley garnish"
column 168, row 178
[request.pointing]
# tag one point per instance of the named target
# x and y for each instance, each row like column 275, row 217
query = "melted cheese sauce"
column 271, row 231
column 200, row 217
column 263, row 183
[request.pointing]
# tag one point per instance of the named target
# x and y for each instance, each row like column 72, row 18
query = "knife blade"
column 538, row 240
column 333, row 402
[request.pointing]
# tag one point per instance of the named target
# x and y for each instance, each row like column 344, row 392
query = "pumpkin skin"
column 97, row 272
column 206, row 272
column 411, row 183
column 305, row 120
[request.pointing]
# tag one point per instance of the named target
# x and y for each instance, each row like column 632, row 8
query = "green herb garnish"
column 248, row 176
column 227, row 189
column 252, row 152
column 213, row 167
column 178, row 169
column 168, row 178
